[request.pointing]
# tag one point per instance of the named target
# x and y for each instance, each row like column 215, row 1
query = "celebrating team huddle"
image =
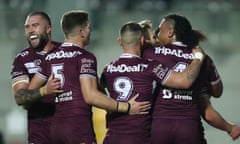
column 158, row 88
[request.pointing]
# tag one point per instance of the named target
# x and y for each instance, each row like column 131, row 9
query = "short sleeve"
column 213, row 75
column 87, row 66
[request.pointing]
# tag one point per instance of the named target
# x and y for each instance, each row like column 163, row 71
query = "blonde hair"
column 145, row 23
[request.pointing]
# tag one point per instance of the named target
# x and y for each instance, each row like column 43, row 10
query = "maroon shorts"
column 72, row 130
column 177, row 131
column 39, row 131
column 126, row 139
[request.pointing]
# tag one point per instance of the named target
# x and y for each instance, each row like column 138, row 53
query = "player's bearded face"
column 38, row 41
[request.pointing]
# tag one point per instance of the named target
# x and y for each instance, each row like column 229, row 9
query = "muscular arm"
column 94, row 97
column 26, row 97
column 216, row 89
column 186, row 78
column 17, row 86
column 215, row 86
column 212, row 117
column 25, row 94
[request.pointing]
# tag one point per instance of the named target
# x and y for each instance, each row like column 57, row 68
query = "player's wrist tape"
column 43, row 91
column 123, row 107
column 198, row 55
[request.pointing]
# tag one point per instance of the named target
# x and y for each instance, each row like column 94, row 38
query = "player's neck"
column 75, row 42
column 49, row 46
column 134, row 51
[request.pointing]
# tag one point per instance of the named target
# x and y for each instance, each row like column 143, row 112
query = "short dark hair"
column 130, row 26
column 73, row 18
column 43, row 15
column 130, row 33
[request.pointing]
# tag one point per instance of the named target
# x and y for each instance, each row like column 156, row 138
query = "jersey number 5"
column 57, row 69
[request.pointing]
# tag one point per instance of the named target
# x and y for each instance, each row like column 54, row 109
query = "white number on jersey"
column 57, row 69
column 123, row 86
column 179, row 67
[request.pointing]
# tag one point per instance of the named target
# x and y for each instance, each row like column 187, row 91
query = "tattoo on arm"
column 26, row 97
column 193, row 70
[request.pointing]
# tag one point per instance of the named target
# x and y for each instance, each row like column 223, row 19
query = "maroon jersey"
column 125, row 77
column 25, row 65
column 171, row 105
column 69, row 63
column 180, row 103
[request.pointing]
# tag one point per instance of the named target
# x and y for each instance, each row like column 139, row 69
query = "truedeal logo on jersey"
column 175, row 52
column 62, row 54
column 125, row 68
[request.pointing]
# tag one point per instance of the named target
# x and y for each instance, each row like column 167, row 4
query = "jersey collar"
column 128, row 55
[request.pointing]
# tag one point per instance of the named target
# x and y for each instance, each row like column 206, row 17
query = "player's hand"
column 142, row 107
column 199, row 53
column 235, row 132
column 53, row 85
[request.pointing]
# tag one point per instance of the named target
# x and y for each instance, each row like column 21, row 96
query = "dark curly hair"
column 184, row 32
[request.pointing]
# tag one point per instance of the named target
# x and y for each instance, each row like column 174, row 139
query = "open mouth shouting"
column 33, row 40
column 33, row 37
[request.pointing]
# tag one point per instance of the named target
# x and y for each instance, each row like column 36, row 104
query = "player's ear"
column 171, row 33
column 119, row 41
column 82, row 32
column 48, row 29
